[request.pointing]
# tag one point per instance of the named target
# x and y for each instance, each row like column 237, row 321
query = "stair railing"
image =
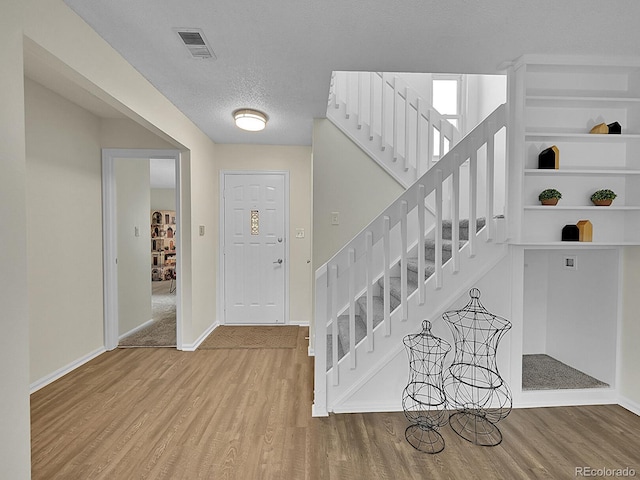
column 372, row 253
column 388, row 119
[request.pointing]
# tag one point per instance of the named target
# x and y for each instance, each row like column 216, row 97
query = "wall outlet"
column 201, row 230
column 136, row 231
column 570, row 262
column 299, row 232
column 335, row 218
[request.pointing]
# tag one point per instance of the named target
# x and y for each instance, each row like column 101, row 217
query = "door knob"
column 279, row 261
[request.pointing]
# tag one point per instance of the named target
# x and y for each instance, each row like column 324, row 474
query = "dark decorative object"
column 614, row 128
column 585, row 229
column 570, row 233
column 473, row 385
column 423, row 399
column 549, row 158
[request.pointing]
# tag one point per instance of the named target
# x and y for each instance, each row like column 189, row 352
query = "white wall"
column 630, row 353
column 297, row 161
column 347, row 181
column 163, row 199
column 134, row 251
column 536, row 264
column 86, row 59
column 579, row 307
column 14, row 327
column 64, row 240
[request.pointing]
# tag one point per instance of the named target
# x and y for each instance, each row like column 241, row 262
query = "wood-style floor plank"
column 246, row 414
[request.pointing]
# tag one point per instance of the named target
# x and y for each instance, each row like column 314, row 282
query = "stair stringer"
column 387, row 350
column 371, row 143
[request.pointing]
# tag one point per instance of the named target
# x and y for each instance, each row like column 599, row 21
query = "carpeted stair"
column 394, row 294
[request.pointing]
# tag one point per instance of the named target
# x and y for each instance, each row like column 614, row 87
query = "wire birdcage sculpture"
column 423, row 399
column 472, row 384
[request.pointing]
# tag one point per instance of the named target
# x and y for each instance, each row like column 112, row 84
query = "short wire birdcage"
column 423, row 399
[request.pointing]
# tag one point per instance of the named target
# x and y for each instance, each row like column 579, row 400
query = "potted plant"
column 603, row 197
column 550, row 196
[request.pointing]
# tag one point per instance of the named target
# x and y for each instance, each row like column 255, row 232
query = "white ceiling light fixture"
column 250, row 120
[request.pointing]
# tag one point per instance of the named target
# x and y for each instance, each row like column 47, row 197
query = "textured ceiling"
column 277, row 56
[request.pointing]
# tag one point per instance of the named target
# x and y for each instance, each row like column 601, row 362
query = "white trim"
column 220, row 273
column 192, row 347
column 633, row 407
column 136, row 329
column 561, row 398
column 370, row 408
column 53, row 376
column 110, row 243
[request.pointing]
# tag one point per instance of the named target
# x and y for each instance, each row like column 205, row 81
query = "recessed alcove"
column 570, row 318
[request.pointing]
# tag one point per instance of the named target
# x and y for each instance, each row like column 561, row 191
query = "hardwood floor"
column 246, row 414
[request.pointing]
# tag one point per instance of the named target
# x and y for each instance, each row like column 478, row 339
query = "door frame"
column 221, row 276
column 110, row 239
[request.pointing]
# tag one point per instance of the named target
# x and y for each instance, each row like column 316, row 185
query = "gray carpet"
column 162, row 332
column 542, row 372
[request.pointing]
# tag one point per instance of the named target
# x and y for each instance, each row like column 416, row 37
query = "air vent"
column 196, row 43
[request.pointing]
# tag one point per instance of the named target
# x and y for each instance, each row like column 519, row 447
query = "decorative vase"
column 549, row 201
column 602, row 203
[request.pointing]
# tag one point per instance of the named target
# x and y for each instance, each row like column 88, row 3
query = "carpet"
column 227, row 336
column 542, row 372
column 162, row 332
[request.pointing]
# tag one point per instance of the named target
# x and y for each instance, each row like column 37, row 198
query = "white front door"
column 254, row 248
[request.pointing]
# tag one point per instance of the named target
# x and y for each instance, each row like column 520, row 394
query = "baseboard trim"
column 633, row 407
column 61, row 372
column 317, row 412
column 300, row 324
column 134, row 330
column 192, row 347
column 370, row 408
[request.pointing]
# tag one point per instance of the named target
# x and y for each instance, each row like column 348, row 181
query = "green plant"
column 604, row 194
column 549, row 193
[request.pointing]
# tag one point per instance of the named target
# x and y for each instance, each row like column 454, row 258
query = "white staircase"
column 389, row 121
column 363, row 270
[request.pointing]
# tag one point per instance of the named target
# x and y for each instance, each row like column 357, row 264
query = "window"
column 447, row 98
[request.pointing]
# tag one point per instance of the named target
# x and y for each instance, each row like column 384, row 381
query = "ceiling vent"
column 196, row 43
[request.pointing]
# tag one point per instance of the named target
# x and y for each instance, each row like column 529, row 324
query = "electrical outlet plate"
column 570, row 262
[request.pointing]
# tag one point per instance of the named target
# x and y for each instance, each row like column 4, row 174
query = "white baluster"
column 404, row 293
column 386, row 299
column 383, row 116
column 360, row 86
column 441, row 130
column 438, row 273
column 419, row 168
column 490, row 186
column 369, row 258
column 352, row 308
column 372, row 116
column 407, row 132
column 430, row 135
column 395, row 119
column 347, row 96
column 333, row 287
column 421, row 231
column 336, row 90
column 473, row 200
column 455, row 214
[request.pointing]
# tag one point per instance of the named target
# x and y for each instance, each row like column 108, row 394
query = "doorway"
column 112, row 237
column 255, row 253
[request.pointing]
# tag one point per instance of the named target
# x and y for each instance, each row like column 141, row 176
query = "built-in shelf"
column 581, row 171
column 580, row 101
column 590, row 137
column 551, row 208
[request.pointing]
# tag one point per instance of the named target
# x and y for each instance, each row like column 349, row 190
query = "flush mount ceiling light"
column 251, row 120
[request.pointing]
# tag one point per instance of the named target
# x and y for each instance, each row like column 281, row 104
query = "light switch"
column 299, row 232
column 202, row 230
column 136, row 231
column 335, row 218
